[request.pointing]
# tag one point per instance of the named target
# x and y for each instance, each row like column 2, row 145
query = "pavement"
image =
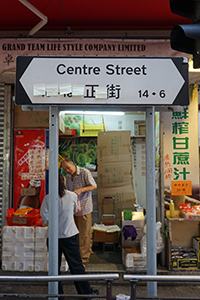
column 12, row 290
column 180, row 292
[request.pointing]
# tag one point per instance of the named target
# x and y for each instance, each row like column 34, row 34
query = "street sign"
column 102, row 81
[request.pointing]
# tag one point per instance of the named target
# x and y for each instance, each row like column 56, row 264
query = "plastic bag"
column 78, row 205
column 159, row 240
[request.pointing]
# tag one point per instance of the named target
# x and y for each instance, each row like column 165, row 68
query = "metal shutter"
column 5, row 151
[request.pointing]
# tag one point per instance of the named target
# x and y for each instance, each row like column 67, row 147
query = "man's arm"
column 88, row 188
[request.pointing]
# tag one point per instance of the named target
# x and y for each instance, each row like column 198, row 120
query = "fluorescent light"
column 77, row 112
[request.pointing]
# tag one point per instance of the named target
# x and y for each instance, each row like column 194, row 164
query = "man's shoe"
column 94, row 292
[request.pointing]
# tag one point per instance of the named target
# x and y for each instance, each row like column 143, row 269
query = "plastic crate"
column 27, row 220
column 70, row 131
column 39, row 221
column 91, row 129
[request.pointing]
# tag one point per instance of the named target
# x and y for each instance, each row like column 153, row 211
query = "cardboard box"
column 124, row 198
column 106, row 237
column 137, row 220
column 114, row 146
column 114, row 174
column 182, row 263
column 30, row 119
column 196, row 246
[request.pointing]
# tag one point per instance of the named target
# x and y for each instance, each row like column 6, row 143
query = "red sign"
column 29, row 167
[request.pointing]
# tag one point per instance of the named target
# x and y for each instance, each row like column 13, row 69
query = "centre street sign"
column 101, row 81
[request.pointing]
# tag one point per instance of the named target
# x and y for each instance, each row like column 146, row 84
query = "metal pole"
column 80, row 277
column 162, row 198
column 133, row 289
column 109, row 289
column 53, row 199
column 151, row 200
column 167, row 278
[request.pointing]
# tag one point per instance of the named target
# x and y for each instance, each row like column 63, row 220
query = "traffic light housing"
column 186, row 38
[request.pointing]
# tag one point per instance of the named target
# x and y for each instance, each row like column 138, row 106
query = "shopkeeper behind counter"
column 80, row 181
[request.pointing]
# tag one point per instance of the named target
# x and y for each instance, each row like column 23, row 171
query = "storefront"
column 83, row 145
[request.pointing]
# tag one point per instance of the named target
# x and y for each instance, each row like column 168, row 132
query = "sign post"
column 108, row 82
column 53, row 198
column 151, row 201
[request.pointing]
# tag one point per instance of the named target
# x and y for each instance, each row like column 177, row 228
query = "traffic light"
column 186, row 38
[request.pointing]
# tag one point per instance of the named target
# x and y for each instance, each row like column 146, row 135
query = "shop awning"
column 72, row 17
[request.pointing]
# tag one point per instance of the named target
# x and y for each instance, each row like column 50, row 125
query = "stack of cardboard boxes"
column 115, row 178
column 132, row 258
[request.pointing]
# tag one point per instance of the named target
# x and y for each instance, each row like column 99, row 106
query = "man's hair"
column 68, row 160
column 61, row 185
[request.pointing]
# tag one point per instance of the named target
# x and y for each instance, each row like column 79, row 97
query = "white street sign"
column 101, row 81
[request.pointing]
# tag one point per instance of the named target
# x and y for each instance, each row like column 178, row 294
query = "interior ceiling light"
column 112, row 113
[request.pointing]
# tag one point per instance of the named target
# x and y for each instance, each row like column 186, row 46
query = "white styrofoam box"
column 128, row 243
column 40, row 241
column 41, row 233
column 24, row 249
column 21, row 233
column 63, row 264
column 41, row 260
column 41, row 251
column 42, row 264
column 8, row 265
column 18, row 248
column 133, row 261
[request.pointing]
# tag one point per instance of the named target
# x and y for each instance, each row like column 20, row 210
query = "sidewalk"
column 162, row 291
column 174, row 290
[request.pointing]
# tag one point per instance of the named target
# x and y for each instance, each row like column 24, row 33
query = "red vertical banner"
column 29, row 167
